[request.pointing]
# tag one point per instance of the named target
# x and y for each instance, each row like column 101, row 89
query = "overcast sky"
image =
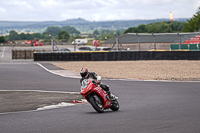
column 95, row 10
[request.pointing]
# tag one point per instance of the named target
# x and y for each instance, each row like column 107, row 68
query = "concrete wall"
column 24, row 54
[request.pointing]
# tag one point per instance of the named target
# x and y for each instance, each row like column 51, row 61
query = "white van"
column 80, row 41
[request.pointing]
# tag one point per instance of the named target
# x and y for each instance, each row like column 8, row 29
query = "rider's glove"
column 98, row 82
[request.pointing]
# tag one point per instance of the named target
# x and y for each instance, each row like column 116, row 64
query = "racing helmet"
column 84, row 72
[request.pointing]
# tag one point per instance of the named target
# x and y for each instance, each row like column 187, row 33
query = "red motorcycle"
column 98, row 98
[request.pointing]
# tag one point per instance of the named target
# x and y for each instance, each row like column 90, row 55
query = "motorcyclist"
column 85, row 74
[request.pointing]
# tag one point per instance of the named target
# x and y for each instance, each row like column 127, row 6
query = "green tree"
column 22, row 36
column 2, row 39
column 37, row 35
column 131, row 30
column 31, row 36
column 63, row 35
column 157, row 27
column 177, row 26
column 53, row 30
column 70, row 30
column 14, row 36
column 165, row 28
column 28, row 36
column 96, row 32
column 46, row 35
column 141, row 28
column 193, row 23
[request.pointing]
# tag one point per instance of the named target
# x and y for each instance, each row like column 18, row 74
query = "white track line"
column 3, row 51
column 56, row 73
column 60, row 105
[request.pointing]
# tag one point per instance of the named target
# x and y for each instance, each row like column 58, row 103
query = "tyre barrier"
column 117, row 56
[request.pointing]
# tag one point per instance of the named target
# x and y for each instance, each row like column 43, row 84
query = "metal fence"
column 155, row 39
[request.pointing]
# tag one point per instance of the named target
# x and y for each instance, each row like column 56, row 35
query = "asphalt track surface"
column 145, row 106
column 5, row 54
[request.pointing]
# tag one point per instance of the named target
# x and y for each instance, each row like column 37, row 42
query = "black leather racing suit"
column 93, row 75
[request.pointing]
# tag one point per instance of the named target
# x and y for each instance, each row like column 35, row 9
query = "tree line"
column 61, row 33
column 191, row 25
column 157, row 27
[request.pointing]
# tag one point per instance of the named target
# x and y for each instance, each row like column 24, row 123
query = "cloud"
column 48, row 3
column 98, row 10
column 2, row 10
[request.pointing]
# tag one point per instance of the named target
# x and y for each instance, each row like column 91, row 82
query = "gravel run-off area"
column 14, row 101
column 143, row 70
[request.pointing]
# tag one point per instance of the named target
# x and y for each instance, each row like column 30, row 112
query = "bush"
column 47, row 40
column 2, row 39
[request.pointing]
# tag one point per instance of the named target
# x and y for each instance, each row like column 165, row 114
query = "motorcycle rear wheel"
column 96, row 104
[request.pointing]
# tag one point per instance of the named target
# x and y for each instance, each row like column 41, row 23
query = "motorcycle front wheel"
column 115, row 105
column 96, row 103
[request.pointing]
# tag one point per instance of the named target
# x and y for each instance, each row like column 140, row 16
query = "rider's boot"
column 111, row 96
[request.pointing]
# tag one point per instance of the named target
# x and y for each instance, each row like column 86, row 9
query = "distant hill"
column 82, row 25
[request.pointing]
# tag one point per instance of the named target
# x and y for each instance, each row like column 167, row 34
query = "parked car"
column 67, row 50
column 93, row 48
column 86, row 48
column 102, row 49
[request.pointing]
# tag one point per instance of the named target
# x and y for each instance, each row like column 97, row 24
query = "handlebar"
column 94, row 82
